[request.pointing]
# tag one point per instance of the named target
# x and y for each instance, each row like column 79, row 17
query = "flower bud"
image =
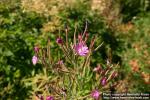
column 80, row 38
column 103, row 81
column 49, row 98
column 36, row 49
column 95, row 94
column 59, row 41
column 97, row 69
column 34, row 60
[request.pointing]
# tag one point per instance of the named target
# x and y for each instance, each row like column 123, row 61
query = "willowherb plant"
column 70, row 77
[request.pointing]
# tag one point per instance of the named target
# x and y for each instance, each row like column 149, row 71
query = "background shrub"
column 123, row 26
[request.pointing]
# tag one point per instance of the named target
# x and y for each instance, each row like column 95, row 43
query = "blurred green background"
column 123, row 26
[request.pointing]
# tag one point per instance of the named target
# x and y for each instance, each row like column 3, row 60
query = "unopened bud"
column 97, row 69
column 36, row 49
column 103, row 81
column 59, row 41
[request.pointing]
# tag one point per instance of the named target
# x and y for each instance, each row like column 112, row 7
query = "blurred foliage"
column 19, row 32
column 130, row 9
column 123, row 26
column 136, row 55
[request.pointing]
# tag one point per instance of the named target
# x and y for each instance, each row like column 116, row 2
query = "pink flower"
column 103, row 81
column 59, row 41
column 95, row 94
column 49, row 98
column 81, row 49
column 34, row 60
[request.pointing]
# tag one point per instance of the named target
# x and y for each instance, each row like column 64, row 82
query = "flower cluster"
column 77, row 69
column 106, row 74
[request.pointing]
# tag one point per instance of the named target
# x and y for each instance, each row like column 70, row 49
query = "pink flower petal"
column 81, row 49
column 95, row 94
column 34, row 60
